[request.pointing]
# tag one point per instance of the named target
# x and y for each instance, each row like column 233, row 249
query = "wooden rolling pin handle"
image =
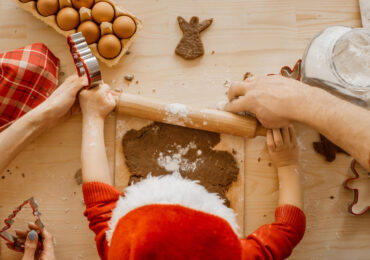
column 178, row 114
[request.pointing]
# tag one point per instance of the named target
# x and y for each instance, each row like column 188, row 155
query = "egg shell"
column 109, row 46
column 124, row 26
column 47, row 7
column 68, row 18
column 102, row 12
column 82, row 3
column 90, row 31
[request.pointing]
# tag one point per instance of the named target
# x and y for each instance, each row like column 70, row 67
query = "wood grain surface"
column 259, row 36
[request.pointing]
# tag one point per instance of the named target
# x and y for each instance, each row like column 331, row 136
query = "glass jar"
column 338, row 60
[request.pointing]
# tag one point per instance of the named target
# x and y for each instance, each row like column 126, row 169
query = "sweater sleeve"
column 100, row 200
column 277, row 240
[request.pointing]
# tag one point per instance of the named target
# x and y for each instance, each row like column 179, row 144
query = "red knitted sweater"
column 272, row 241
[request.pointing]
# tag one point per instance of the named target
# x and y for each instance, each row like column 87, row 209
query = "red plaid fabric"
column 28, row 76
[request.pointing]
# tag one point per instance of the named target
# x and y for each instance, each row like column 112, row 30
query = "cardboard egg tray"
column 85, row 14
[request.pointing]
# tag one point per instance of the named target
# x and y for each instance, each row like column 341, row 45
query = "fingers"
column 33, row 226
column 286, row 135
column 30, row 246
column 278, row 139
column 75, row 83
column 237, row 105
column 21, row 233
column 115, row 93
column 236, row 90
column 270, row 140
column 292, row 134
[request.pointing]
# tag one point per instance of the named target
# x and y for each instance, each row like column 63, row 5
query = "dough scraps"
column 190, row 45
column 161, row 149
column 78, row 176
column 327, row 148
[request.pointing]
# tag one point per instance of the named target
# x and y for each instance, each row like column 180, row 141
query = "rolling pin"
column 179, row 114
column 171, row 113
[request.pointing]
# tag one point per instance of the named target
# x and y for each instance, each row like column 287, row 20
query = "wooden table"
column 256, row 36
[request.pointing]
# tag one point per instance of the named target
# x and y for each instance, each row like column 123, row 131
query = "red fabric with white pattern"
column 28, row 76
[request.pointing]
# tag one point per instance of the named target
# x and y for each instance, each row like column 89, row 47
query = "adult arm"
column 277, row 100
column 55, row 109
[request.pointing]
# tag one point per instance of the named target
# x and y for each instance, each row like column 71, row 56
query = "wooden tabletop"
column 246, row 35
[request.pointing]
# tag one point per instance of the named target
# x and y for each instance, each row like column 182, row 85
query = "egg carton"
column 85, row 14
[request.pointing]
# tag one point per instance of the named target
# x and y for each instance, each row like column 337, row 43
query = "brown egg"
column 47, row 7
column 124, row 27
column 82, row 3
column 68, row 18
column 102, row 12
column 109, row 46
column 90, row 31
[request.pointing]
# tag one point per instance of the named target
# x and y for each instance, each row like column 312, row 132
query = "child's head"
column 173, row 232
column 170, row 217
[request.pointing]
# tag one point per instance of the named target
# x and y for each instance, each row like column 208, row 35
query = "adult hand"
column 273, row 99
column 30, row 238
column 97, row 102
column 62, row 103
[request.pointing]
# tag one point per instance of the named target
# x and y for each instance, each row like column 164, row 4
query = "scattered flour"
column 227, row 83
column 177, row 113
column 175, row 162
column 177, row 109
column 221, row 105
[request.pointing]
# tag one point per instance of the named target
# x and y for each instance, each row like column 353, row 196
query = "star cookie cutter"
column 12, row 240
column 85, row 61
column 355, row 207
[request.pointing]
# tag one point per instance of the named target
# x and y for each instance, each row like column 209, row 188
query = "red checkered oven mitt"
column 28, row 76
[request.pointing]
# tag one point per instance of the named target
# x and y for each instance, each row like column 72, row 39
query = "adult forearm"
column 345, row 124
column 95, row 165
column 290, row 190
column 19, row 134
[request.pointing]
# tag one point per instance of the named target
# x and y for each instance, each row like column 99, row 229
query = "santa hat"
column 170, row 217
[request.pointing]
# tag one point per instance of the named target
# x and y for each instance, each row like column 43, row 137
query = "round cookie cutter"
column 85, row 61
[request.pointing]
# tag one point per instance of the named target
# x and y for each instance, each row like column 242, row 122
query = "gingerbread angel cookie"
column 191, row 47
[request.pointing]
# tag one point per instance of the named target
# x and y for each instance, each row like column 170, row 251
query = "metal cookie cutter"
column 85, row 61
column 358, row 207
column 12, row 240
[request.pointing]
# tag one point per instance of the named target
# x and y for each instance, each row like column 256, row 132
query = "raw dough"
column 190, row 46
column 78, row 176
column 327, row 148
column 160, row 149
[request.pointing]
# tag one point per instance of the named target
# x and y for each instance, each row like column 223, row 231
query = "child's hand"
column 97, row 102
column 282, row 146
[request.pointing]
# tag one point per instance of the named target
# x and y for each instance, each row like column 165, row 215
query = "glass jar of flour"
column 338, row 60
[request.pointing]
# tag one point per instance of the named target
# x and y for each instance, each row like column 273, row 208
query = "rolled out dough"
column 160, row 149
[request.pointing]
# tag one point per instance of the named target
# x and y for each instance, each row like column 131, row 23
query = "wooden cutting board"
column 228, row 143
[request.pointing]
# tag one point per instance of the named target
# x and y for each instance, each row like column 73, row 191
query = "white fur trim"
column 170, row 189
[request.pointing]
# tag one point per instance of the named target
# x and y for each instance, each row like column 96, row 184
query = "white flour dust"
column 221, row 104
column 174, row 162
column 177, row 112
column 177, row 109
